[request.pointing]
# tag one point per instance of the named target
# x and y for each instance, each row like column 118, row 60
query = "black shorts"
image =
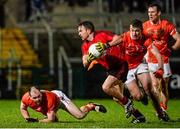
column 119, row 71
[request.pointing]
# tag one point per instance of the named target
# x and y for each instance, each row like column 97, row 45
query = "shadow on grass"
column 90, row 121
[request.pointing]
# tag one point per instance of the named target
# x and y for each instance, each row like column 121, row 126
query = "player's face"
column 83, row 32
column 135, row 32
column 36, row 96
column 153, row 14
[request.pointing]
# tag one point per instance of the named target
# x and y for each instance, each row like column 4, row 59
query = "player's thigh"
column 110, row 82
column 74, row 110
column 154, row 80
column 134, row 89
column 145, row 80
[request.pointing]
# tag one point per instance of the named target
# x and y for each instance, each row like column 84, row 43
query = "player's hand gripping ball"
column 93, row 50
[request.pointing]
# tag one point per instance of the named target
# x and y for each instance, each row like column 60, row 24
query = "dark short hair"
column 137, row 23
column 88, row 25
column 155, row 5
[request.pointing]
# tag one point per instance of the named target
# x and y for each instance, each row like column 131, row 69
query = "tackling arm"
column 117, row 39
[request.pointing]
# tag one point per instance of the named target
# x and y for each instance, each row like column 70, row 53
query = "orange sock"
column 124, row 100
column 89, row 107
column 163, row 106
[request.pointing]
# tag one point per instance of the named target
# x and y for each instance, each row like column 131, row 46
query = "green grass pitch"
column 10, row 116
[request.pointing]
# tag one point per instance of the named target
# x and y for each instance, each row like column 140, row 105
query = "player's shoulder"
column 146, row 22
column 25, row 97
column 103, row 32
column 166, row 22
column 126, row 34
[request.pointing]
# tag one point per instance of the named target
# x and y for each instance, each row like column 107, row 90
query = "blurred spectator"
column 115, row 6
column 71, row 4
column 177, row 5
column 28, row 9
column 38, row 10
column 136, row 5
column 82, row 3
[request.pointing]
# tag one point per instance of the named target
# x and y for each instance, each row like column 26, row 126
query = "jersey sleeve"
column 171, row 29
column 84, row 49
column 148, row 43
column 108, row 35
column 24, row 99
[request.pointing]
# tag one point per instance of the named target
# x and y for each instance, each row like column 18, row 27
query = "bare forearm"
column 176, row 46
column 24, row 113
column 116, row 40
column 84, row 60
column 46, row 120
column 158, row 56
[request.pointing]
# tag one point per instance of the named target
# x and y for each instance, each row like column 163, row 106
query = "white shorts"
column 167, row 70
column 141, row 68
column 63, row 98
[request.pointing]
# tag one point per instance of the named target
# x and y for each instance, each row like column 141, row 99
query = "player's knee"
column 80, row 116
column 136, row 96
column 155, row 85
column 105, row 89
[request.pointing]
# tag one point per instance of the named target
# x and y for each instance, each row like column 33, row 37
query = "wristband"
column 107, row 45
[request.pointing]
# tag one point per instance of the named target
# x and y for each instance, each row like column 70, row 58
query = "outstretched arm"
column 117, row 39
column 24, row 111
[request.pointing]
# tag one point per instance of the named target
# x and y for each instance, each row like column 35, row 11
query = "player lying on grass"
column 48, row 103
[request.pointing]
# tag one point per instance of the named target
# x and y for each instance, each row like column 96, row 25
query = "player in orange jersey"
column 159, row 31
column 133, row 42
column 48, row 103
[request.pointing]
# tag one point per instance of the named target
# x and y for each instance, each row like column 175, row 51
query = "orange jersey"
column 134, row 50
column 50, row 102
column 159, row 34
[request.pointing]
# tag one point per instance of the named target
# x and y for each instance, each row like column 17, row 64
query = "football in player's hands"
column 94, row 51
column 90, row 57
column 31, row 120
column 101, row 46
